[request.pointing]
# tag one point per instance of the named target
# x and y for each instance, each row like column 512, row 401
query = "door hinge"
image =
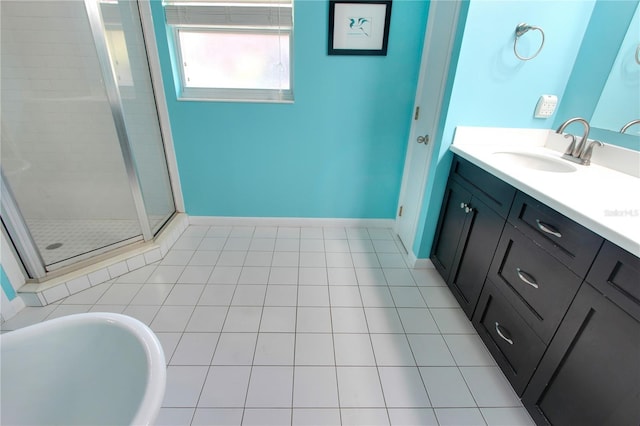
column 417, row 113
column 400, row 211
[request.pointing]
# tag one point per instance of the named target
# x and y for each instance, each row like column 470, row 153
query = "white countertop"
column 604, row 197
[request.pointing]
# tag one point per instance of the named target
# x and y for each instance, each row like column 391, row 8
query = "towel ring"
column 521, row 30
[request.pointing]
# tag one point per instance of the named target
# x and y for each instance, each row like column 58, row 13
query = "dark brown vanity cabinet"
column 590, row 374
column 557, row 306
column 471, row 220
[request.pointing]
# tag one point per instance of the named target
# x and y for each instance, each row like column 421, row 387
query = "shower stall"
column 83, row 161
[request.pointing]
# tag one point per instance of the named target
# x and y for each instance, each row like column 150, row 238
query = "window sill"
column 254, row 101
column 237, row 95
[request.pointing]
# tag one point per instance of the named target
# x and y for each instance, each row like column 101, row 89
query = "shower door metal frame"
column 99, row 34
column 153, row 60
column 19, row 232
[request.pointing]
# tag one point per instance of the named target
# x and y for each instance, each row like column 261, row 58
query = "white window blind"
column 233, row 50
column 233, row 13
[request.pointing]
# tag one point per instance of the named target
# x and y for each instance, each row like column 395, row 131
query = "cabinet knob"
column 467, row 208
column 423, row 139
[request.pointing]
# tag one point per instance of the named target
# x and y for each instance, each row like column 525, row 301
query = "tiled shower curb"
column 45, row 293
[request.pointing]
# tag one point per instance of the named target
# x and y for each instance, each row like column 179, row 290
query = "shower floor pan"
column 64, row 241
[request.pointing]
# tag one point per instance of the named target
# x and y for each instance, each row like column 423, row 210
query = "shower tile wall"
column 57, row 130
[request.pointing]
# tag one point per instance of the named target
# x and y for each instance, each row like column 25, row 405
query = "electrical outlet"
column 546, row 106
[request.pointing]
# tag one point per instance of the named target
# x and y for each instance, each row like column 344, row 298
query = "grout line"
column 295, row 341
column 375, row 359
column 215, row 347
column 412, row 350
column 246, row 396
column 333, row 342
column 210, row 362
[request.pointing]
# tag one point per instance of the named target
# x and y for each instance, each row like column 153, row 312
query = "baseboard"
column 290, row 221
column 410, row 258
column 414, row 262
column 424, row 264
column 11, row 308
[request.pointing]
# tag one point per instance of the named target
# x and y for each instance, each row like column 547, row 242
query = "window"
column 232, row 50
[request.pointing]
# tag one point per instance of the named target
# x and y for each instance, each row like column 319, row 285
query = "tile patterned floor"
column 304, row 326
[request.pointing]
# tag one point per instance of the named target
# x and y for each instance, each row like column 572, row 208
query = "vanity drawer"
column 535, row 283
column 571, row 243
column 494, row 192
column 513, row 344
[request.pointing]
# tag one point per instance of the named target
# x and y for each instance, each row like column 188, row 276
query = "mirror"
column 604, row 86
column 619, row 102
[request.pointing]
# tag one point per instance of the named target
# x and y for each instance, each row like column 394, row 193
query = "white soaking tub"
column 83, row 369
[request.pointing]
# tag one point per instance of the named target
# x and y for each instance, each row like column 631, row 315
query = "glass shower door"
column 59, row 147
column 123, row 29
column 83, row 156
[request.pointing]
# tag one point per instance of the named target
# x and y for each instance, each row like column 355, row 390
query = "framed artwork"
column 359, row 27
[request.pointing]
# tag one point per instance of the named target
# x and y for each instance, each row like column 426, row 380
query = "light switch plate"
column 546, row 106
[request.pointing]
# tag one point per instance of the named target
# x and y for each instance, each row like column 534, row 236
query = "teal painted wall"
column 491, row 87
column 338, row 151
column 7, row 288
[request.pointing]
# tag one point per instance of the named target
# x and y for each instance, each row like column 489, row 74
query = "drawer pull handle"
column 509, row 341
column 527, row 278
column 548, row 229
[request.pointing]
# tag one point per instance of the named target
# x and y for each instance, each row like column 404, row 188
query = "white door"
column 434, row 68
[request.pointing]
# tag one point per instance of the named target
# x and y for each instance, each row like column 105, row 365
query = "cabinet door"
column 590, row 374
column 475, row 252
column 492, row 191
column 451, row 226
column 616, row 274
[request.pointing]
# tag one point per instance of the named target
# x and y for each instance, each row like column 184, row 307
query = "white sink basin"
column 533, row 161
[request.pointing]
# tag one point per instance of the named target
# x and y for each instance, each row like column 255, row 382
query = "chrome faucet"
column 578, row 152
column 629, row 124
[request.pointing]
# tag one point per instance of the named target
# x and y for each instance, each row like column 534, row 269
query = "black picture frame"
column 359, row 27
